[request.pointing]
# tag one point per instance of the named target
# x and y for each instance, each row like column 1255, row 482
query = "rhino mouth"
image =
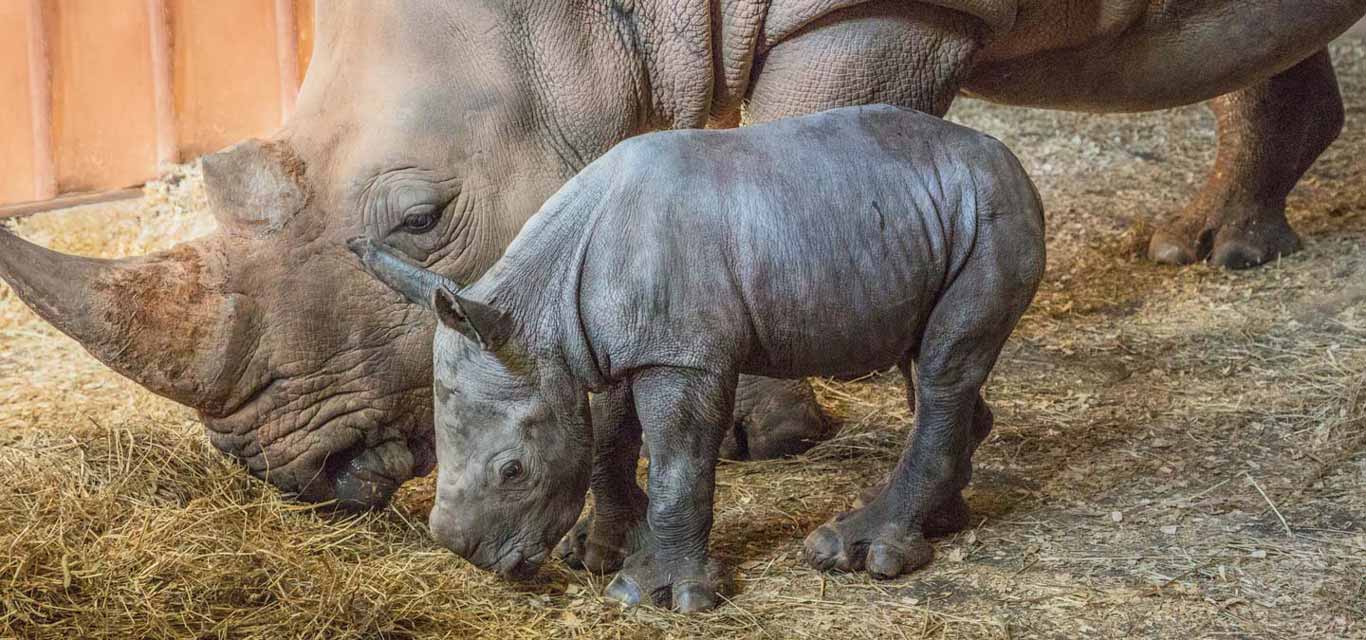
column 515, row 563
column 356, row 482
column 345, row 448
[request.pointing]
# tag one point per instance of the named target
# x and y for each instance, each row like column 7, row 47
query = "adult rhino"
column 439, row 127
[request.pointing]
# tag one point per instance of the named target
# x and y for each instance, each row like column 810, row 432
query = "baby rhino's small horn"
column 416, row 284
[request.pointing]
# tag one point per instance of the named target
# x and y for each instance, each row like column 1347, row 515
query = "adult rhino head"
column 309, row 371
column 256, row 327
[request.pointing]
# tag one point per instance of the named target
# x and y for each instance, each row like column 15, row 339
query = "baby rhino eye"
column 511, row 470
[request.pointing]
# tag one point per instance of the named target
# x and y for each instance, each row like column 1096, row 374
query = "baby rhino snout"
column 449, row 533
column 505, row 559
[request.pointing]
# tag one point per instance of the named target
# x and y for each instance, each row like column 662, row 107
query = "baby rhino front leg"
column 683, row 413
column 600, row 542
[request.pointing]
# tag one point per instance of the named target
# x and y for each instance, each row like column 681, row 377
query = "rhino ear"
column 477, row 321
column 254, row 184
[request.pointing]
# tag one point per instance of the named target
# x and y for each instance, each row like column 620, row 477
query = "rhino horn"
column 255, row 185
column 156, row 319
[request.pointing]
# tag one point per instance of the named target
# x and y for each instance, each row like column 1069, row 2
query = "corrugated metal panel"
column 103, row 125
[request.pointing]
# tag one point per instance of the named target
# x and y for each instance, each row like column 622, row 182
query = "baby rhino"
column 831, row 244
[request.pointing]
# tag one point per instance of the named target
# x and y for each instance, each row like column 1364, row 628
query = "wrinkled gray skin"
column 829, row 244
column 439, row 127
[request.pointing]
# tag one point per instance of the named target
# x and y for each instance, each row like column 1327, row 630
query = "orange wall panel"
column 303, row 15
column 16, row 125
column 223, row 71
column 103, row 112
column 226, row 75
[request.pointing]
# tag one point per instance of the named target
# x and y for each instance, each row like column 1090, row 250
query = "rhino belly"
column 1168, row 55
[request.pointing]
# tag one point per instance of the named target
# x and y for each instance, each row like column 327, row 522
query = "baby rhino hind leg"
column 962, row 340
column 952, row 515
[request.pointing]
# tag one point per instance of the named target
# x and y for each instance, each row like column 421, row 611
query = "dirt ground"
column 1178, row 453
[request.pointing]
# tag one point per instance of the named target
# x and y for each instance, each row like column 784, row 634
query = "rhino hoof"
column 775, row 419
column 861, row 540
column 624, row 590
column 691, row 596
column 1244, row 248
column 1167, row 248
column 1231, row 237
column 888, row 559
column 686, row 588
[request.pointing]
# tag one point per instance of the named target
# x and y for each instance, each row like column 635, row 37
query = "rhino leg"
column 684, row 412
column 894, row 52
column 952, row 514
column 616, row 528
column 1269, row 135
column 774, row 418
column 962, row 340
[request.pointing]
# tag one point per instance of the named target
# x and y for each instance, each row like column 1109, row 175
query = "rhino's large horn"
column 159, row 320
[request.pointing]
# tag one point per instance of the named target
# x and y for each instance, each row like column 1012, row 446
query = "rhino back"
column 808, row 245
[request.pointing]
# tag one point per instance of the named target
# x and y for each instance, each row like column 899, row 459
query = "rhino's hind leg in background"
column 774, row 418
column 886, row 535
column 1269, row 135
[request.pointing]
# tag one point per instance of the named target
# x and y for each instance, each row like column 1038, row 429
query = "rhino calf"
column 831, row 244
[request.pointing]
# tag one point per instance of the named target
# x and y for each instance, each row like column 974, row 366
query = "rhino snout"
column 506, row 557
column 450, row 534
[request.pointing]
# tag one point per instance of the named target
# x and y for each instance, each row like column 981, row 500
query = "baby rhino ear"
column 477, row 321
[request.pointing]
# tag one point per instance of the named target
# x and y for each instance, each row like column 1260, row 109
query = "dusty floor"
column 1178, row 453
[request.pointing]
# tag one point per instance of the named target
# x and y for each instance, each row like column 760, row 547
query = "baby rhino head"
column 513, row 440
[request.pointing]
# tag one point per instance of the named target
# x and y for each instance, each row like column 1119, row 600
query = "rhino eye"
column 420, row 219
column 511, row 470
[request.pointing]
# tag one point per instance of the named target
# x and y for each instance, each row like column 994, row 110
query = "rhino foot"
column 1270, row 133
column 774, row 419
column 865, row 539
column 1258, row 242
column 950, row 517
column 1231, row 237
column 684, row 587
column 600, row 546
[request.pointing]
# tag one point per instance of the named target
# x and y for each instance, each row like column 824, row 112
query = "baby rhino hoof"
column 581, row 549
column 683, row 596
column 850, row 542
column 643, row 581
